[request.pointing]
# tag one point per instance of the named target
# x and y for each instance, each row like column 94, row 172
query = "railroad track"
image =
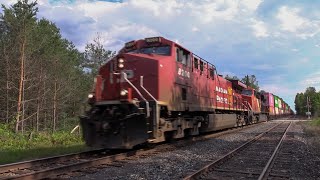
column 32, row 169
column 64, row 164
column 251, row 160
column 53, row 166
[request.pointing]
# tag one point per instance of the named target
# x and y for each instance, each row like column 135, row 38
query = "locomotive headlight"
column 91, row 99
column 90, row 96
column 123, row 92
column 120, row 60
column 120, row 65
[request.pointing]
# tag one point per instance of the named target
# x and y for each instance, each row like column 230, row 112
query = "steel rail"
column 27, row 164
column 208, row 167
column 267, row 168
column 47, row 173
column 224, row 132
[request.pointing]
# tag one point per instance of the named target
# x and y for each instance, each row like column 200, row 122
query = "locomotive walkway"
column 252, row 160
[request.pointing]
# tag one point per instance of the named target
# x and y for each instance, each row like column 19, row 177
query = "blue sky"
column 278, row 41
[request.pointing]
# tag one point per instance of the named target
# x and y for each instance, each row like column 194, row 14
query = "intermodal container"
column 276, row 110
column 276, row 101
column 271, row 104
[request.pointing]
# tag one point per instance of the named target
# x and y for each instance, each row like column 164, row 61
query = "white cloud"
column 128, row 31
column 291, row 21
column 160, row 9
column 195, row 29
column 259, row 28
column 209, row 11
column 312, row 80
column 184, row 20
column 251, row 4
column 170, row 18
column 43, row 2
column 98, row 9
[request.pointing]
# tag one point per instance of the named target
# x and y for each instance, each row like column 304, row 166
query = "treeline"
column 301, row 102
column 44, row 79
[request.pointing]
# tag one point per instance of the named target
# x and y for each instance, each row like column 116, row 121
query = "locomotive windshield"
column 160, row 50
column 247, row 92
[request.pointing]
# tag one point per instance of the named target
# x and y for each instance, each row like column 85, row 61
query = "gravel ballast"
column 295, row 160
column 181, row 161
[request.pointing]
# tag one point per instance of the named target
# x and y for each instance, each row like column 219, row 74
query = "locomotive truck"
column 155, row 89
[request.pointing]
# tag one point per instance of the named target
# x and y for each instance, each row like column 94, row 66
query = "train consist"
column 154, row 89
column 275, row 106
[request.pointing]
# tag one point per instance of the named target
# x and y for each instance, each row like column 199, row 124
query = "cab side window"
column 211, row 72
column 195, row 63
column 201, row 66
column 182, row 56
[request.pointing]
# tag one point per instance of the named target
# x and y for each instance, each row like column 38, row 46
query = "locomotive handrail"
column 245, row 106
column 141, row 85
column 249, row 105
column 157, row 114
column 144, row 99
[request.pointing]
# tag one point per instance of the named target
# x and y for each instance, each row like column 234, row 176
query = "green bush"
column 65, row 138
column 315, row 122
column 30, row 145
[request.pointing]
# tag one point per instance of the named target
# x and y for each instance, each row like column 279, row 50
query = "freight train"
column 155, row 89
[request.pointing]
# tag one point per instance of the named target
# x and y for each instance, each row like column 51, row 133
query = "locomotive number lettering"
column 221, row 90
column 222, row 100
column 183, row 73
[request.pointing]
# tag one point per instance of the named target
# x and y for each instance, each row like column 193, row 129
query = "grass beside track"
column 315, row 122
column 312, row 131
column 19, row 147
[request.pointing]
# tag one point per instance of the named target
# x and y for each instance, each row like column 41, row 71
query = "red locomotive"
column 155, row 90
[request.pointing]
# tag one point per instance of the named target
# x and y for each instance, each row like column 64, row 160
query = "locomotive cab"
column 125, row 102
column 254, row 102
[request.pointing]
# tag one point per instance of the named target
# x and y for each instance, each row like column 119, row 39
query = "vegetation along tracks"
column 251, row 160
column 53, row 166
